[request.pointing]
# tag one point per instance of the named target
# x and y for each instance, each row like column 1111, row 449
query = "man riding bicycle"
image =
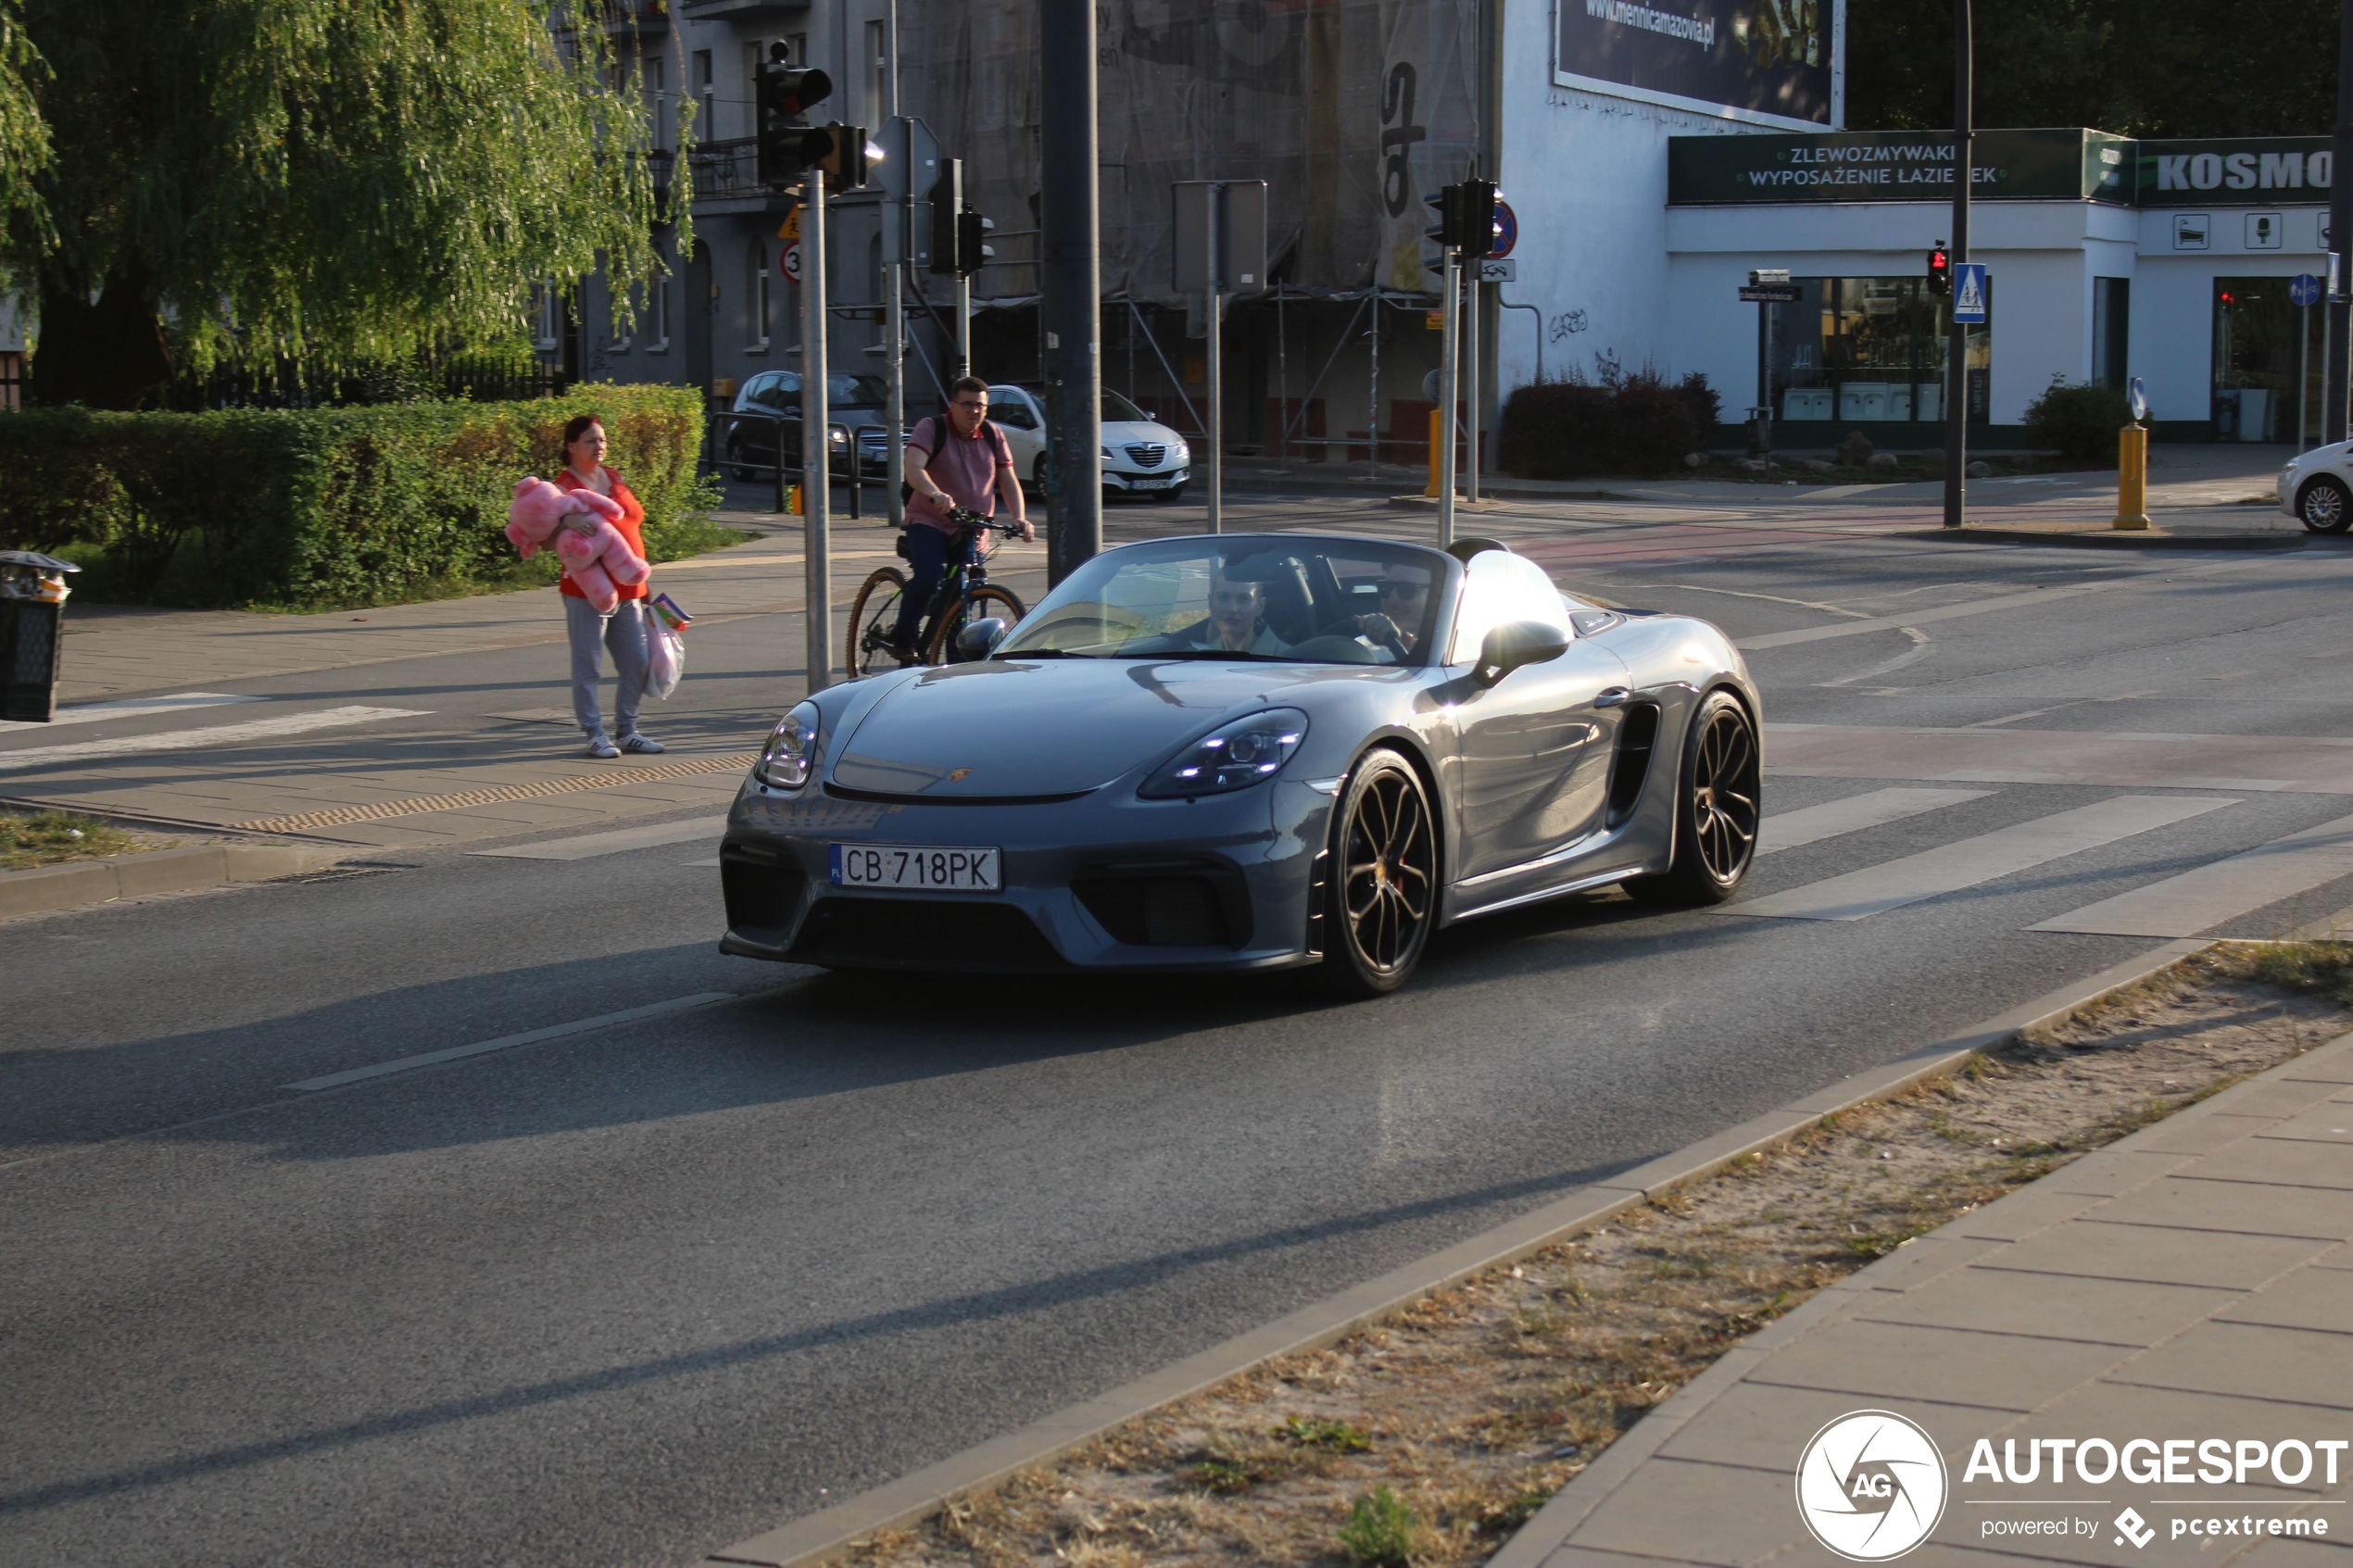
column 961, row 462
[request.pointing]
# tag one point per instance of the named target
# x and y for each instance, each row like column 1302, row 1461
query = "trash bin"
column 32, row 604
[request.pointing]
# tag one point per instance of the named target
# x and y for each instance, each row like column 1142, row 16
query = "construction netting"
column 1351, row 110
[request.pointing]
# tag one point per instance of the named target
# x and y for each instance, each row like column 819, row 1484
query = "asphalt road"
column 626, row 1295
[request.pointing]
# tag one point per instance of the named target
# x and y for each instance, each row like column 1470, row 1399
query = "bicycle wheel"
column 978, row 605
column 872, row 615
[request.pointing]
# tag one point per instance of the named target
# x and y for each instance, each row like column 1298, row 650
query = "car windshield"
column 1271, row 596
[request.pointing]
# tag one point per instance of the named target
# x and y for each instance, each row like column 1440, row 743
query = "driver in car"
column 1404, row 601
column 1236, row 621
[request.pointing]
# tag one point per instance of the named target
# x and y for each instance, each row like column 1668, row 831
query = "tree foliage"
column 2170, row 68
column 247, row 181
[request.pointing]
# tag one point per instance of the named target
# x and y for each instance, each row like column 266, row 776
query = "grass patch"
column 1381, row 1532
column 50, row 838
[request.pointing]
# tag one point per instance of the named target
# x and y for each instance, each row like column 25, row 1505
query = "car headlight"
column 838, row 437
column 1231, row 756
column 1106, row 453
column 790, row 756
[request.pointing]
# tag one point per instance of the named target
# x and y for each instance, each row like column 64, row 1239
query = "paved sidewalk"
column 2193, row 1281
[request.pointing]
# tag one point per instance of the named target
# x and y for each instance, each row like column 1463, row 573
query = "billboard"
column 1897, row 166
column 1769, row 61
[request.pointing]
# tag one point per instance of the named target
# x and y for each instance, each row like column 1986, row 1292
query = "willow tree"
column 247, row 181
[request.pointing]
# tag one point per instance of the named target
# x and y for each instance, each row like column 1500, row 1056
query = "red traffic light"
column 1940, row 270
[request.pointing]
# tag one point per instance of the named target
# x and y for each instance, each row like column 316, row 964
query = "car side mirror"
column 1515, row 643
column 979, row 638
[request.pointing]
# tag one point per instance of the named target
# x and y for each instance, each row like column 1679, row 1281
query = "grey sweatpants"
column 623, row 632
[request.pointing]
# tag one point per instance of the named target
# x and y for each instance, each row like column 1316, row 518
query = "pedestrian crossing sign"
column 1968, row 294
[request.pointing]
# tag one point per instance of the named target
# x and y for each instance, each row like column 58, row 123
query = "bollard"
column 2132, row 477
column 1432, row 489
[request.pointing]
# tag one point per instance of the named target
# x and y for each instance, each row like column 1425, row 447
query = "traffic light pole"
column 894, row 290
column 2334, row 346
column 1470, row 374
column 1449, row 391
column 1215, row 436
column 1956, row 339
column 1068, row 211
column 815, row 447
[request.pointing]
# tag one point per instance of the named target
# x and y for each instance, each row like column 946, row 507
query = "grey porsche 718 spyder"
column 1249, row 752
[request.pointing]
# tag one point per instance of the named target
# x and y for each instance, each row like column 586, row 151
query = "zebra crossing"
column 2186, row 904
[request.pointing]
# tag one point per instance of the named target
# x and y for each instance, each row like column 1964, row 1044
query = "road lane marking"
column 571, row 784
column 213, row 738
column 2113, row 759
column 130, row 707
column 1968, row 861
column 589, row 845
column 508, row 1042
column 2198, row 900
column 1812, row 824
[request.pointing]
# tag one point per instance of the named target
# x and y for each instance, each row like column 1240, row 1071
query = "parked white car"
column 1141, row 457
column 2316, row 488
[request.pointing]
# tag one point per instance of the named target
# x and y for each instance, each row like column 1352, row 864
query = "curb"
column 2113, row 539
column 161, row 871
column 819, row 1537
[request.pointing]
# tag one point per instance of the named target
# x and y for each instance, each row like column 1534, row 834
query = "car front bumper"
column 1101, row 882
column 1145, row 482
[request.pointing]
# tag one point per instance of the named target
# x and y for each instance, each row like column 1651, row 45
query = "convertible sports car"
column 1244, row 752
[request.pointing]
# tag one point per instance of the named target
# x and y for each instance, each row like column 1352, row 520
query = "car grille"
column 923, row 934
column 1147, row 454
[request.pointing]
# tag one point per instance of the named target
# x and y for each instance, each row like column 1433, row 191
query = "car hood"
column 1020, row 729
column 1119, row 433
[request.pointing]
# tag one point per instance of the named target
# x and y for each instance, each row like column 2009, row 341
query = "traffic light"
column 1465, row 217
column 787, row 143
column 959, row 245
column 845, row 159
column 1940, row 269
column 946, row 226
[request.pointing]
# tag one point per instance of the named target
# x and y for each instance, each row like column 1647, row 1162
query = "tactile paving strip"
column 417, row 805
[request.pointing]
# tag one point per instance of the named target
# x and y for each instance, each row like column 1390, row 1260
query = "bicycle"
column 965, row 595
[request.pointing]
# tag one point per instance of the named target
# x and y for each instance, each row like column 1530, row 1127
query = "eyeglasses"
column 968, row 403
column 1403, row 590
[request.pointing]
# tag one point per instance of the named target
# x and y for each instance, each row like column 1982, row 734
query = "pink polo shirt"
column 964, row 466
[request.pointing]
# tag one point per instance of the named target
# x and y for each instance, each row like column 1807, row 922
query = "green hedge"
column 303, row 509
column 1641, row 423
column 2079, row 421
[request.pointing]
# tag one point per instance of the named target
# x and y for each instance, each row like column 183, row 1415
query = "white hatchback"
column 2316, row 488
column 1141, row 457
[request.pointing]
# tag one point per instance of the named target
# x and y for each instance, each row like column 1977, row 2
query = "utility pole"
column 1449, row 389
column 1956, row 339
column 894, row 289
column 1471, row 287
column 2334, row 346
column 1212, row 300
column 815, row 445
column 1073, row 305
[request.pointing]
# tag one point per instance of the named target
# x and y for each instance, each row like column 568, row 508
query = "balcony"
column 636, row 18
column 741, row 10
column 727, row 170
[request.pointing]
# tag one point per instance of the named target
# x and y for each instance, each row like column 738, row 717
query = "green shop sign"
column 1888, row 166
column 2252, row 171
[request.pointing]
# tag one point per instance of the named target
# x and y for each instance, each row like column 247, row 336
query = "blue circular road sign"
column 1506, row 230
column 2304, row 290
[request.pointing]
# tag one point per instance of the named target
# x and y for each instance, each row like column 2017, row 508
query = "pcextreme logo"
column 1870, row 1486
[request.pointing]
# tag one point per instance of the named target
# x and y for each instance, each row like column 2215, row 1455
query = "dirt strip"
column 1429, row 1440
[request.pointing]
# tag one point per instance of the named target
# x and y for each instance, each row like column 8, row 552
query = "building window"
column 621, row 329
column 2264, row 345
column 546, row 321
column 658, row 316
column 1856, row 350
column 657, row 100
column 758, row 296
column 878, row 75
column 707, row 123
column 2111, row 329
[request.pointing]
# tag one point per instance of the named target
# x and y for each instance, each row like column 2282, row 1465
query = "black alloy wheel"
column 2325, row 506
column 1383, row 892
column 1717, row 810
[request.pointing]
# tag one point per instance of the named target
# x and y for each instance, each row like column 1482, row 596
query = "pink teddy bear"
column 595, row 560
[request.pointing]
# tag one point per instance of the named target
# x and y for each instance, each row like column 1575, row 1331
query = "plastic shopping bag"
column 665, row 657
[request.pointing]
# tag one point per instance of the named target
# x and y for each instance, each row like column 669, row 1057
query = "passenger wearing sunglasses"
column 1404, row 604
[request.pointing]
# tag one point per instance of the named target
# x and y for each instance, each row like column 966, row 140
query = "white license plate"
column 931, row 868
column 1161, row 483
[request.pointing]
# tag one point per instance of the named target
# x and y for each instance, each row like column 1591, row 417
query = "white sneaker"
column 641, row 745
column 601, row 747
